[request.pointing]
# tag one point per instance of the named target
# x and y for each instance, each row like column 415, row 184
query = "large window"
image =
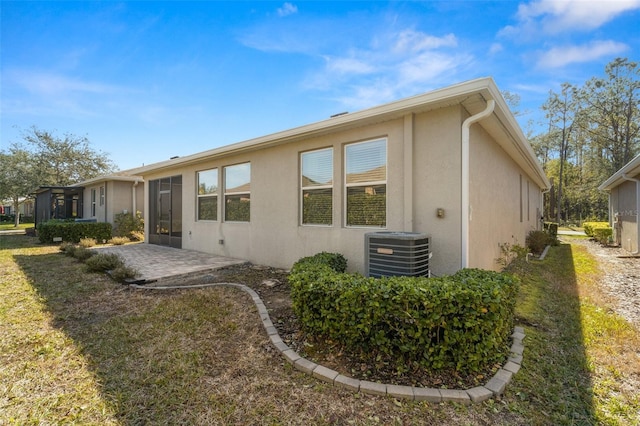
column 237, row 193
column 316, row 184
column 208, row 194
column 366, row 183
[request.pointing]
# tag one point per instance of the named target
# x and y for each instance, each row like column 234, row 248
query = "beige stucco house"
column 451, row 163
column 624, row 204
column 106, row 196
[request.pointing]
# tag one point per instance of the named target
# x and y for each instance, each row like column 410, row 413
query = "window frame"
column 304, row 188
column 347, row 185
column 209, row 195
column 227, row 193
column 93, row 202
column 102, row 195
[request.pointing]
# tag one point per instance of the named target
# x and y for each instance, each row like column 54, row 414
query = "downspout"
column 637, row 181
column 133, row 194
column 465, row 207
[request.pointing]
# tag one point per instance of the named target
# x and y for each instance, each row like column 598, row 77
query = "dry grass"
column 80, row 348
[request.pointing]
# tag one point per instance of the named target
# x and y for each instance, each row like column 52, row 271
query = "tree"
column 611, row 115
column 46, row 160
column 17, row 178
column 560, row 111
column 65, row 161
column 592, row 132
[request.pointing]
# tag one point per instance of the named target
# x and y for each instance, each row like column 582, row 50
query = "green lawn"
column 80, row 348
column 10, row 226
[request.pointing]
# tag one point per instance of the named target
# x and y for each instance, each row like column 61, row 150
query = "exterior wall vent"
column 389, row 254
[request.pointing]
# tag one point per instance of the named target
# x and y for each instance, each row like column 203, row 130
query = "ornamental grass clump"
column 462, row 322
column 104, row 262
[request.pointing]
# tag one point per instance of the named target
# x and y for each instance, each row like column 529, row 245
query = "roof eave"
column 632, row 168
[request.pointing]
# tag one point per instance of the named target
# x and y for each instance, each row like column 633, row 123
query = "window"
column 93, row 202
column 207, row 195
column 237, row 193
column 102, row 195
column 316, row 182
column 366, row 183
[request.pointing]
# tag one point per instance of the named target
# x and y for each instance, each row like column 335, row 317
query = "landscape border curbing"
column 494, row 387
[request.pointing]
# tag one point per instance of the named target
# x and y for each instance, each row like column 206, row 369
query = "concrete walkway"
column 160, row 263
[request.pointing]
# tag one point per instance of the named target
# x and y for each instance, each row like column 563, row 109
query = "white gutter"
column 133, row 194
column 466, row 208
column 637, row 181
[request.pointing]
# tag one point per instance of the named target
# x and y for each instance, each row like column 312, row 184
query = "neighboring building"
column 26, row 207
column 57, row 202
column 452, row 163
column 98, row 199
column 624, row 204
column 106, row 196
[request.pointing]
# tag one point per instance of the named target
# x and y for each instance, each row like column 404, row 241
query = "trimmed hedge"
column 461, row 321
column 589, row 227
column 73, row 231
column 600, row 231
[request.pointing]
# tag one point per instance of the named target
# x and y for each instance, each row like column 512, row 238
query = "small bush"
column 551, row 228
column 590, row 227
column 537, row 240
column 136, row 236
column 83, row 253
column 335, row 261
column 118, row 241
column 603, row 234
column 126, row 224
column 121, row 273
column 67, row 248
column 87, row 242
column 104, row 262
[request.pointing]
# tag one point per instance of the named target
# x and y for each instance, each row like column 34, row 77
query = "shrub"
column 123, row 272
column 603, row 234
column 73, row 231
column 136, row 236
column 83, row 253
column 126, row 224
column 118, row 241
column 590, row 227
column 87, row 242
column 461, row 321
column 335, row 261
column 104, row 262
column 551, row 228
column 67, row 248
column 537, row 240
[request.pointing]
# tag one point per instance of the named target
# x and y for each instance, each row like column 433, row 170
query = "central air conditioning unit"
column 389, row 254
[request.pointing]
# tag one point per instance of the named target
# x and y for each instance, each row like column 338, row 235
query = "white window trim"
column 225, row 193
column 303, row 188
column 212, row 195
column 372, row 183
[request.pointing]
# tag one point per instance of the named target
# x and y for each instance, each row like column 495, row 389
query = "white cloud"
column 495, row 48
column 551, row 17
column 287, row 9
column 561, row 56
column 396, row 64
column 44, row 83
column 351, row 66
column 416, row 41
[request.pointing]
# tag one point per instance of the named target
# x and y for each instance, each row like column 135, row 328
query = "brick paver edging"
column 495, row 386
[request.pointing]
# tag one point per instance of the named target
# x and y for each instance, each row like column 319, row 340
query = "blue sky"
column 146, row 81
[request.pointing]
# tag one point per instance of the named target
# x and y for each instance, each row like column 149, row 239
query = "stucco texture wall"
column 623, row 203
column 505, row 204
